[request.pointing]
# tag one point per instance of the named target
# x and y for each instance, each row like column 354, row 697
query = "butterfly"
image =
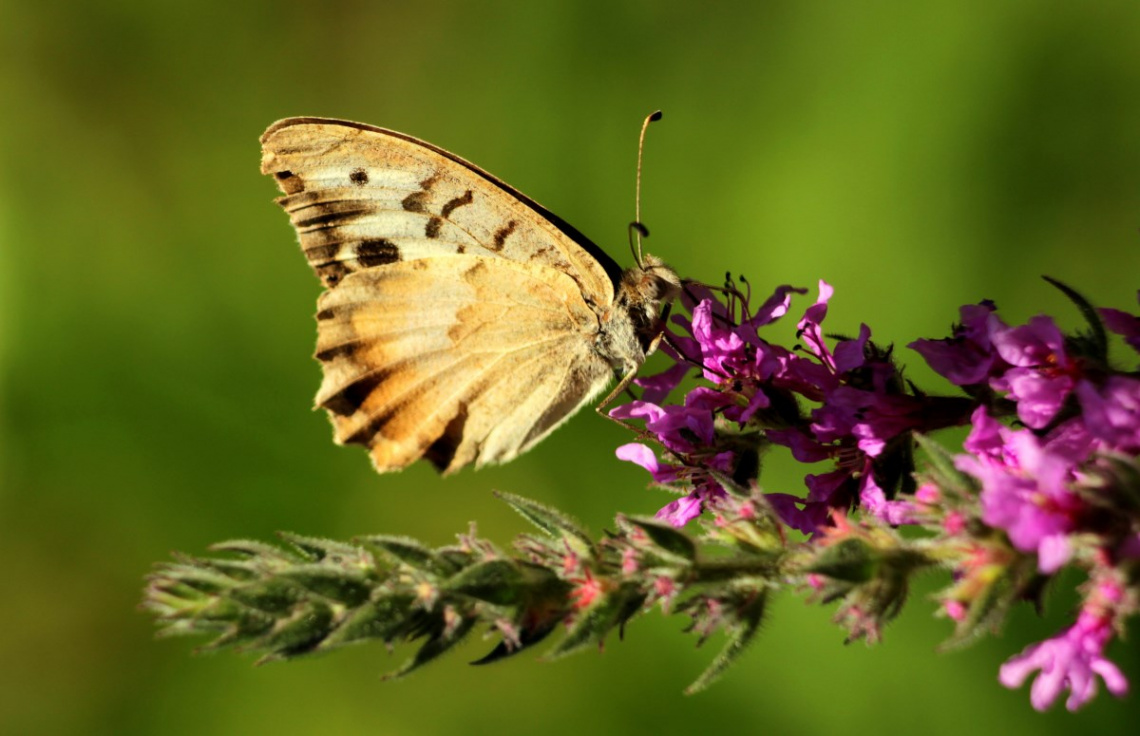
column 461, row 321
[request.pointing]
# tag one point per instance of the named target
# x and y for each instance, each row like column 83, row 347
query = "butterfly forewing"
column 361, row 196
column 461, row 319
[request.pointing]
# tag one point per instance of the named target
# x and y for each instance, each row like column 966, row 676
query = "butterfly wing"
column 457, row 359
column 461, row 317
column 361, row 196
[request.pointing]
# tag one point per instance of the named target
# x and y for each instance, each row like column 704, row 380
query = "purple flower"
column 1070, row 661
column 1124, row 324
column 968, row 357
column 705, row 489
column 1112, row 413
column 1025, row 489
column 635, row 452
column 810, row 327
column 685, row 509
column 722, row 349
column 874, row 501
column 1042, row 374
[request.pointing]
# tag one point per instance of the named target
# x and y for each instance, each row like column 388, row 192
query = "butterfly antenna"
column 636, row 225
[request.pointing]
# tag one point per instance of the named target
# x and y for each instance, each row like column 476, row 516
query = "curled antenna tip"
column 655, row 116
column 639, row 228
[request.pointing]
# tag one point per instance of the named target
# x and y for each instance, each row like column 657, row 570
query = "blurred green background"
column 156, row 317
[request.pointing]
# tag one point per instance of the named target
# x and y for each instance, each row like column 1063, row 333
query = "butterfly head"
column 643, row 292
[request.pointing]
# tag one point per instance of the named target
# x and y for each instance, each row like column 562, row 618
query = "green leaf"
column 253, row 548
column 506, row 582
column 344, row 586
column 550, row 520
column 749, row 618
column 1097, row 338
column 273, row 595
column 409, row 551
column 316, row 549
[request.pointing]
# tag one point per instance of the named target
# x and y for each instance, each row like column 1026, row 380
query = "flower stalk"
column 1047, row 479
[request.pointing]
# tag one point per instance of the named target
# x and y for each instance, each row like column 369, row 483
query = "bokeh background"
column 156, row 317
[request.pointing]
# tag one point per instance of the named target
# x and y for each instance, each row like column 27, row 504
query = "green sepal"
column 593, row 623
column 748, row 617
column 669, row 541
column 989, row 609
column 297, row 634
column 527, row 639
column 194, row 577
column 385, row 618
column 946, row 474
column 244, row 627
column 343, row 586
column 850, row 560
column 409, row 551
column 505, row 582
column 439, row 643
column 237, row 570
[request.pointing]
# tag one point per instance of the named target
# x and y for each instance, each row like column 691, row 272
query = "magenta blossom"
column 1025, row 488
column 1042, row 373
column 1112, row 413
column 1124, row 324
column 968, row 357
column 1072, row 660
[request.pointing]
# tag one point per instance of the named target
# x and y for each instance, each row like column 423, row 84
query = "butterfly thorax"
column 631, row 329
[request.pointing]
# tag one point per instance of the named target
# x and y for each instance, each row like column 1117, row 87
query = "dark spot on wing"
column 358, row 177
column 289, row 182
column 415, row 202
column 349, row 400
column 472, row 274
column 501, row 235
column 331, row 273
column 336, row 351
column 325, row 314
column 443, row 450
column 321, row 254
column 431, row 230
column 455, row 203
column 378, row 252
column 334, row 214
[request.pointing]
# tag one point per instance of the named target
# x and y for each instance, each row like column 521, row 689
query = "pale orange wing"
column 459, row 359
column 460, row 318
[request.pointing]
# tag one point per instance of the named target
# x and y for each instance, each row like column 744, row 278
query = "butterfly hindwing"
column 459, row 359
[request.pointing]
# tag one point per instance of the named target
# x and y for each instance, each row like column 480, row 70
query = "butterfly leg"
column 623, row 384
